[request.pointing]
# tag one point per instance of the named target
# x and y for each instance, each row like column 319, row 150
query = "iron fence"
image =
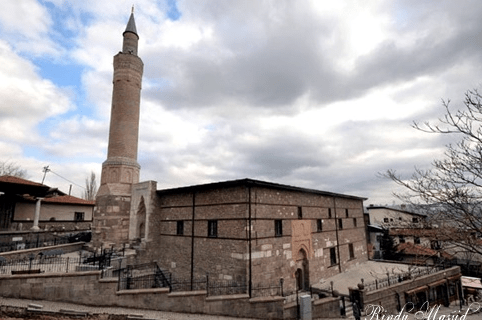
column 225, row 287
column 51, row 262
column 195, row 284
column 31, row 244
column 145, row 276
column 40, row 240
column 43, row 265
column 397, row 278
column 267, row 291
column 142, row 282
column 142, row 276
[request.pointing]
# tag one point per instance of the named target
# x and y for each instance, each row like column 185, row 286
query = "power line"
column 46, row 169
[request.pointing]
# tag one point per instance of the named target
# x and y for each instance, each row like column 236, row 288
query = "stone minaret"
column 121, row 170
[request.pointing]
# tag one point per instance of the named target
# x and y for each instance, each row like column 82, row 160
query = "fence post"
column 343, row 306
column 30, row 257
column 119, row 279
column 207, row 284
column 281, row 280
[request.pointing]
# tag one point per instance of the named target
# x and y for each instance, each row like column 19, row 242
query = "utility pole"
column 45, row 170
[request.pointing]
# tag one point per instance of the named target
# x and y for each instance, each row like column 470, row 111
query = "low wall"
column 87, row 287
column 24, row 254
column 320, row 308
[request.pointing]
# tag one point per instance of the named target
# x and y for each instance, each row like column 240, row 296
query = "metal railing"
column 146, row 276
column 196, row 284
column 397, row 278
column 142, row 276
column 267, row 291
column 43, row 240
column 42, row 265
column 52, row 262
column 225, row 287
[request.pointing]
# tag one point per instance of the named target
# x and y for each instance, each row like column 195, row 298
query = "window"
column 340, row 224
column 300, row 213
column 333, row 256
column 354, row 222
column 350, row 250
column 329, row 213
column 401, row 239
column 346, row 213
column 180, row 228
column 416, row 240
column 212, row 228
column 319, row 225
column 278, row 228
column 79, row 216
column 385, row 220
column 415, row 220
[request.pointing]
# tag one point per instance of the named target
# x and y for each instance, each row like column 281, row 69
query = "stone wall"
column 223, row 256
column 111, row 220
column 273, row 257
column 320, row 308
column 240, row 250
column 87, row 287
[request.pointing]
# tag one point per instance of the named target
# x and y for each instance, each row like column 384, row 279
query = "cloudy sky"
column 316, row 94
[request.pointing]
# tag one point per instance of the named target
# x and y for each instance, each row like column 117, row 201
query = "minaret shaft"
column 121, row 170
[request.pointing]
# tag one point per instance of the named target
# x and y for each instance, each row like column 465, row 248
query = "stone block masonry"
column 87, row 288
column 246, row 230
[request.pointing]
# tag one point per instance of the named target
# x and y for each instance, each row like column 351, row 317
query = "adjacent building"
column 26, row 205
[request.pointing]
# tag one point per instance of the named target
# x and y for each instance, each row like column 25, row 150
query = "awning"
column 471, row 282
column 416, row 290
column 437, row 283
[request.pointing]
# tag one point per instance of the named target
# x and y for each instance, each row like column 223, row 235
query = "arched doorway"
column 302, row 273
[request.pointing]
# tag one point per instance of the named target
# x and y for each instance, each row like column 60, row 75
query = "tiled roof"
column 66, row 199
column 16, row 180
column 61, row 199
column 417, row 232
column 444, row 234
column 415, row 250
column 409, row 248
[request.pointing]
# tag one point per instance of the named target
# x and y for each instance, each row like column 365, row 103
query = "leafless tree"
column 8, row 168
column 451, row 191
column 90, row 187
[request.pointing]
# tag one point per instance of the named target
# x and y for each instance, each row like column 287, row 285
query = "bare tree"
column 90, row 187
column 8, row 168
column 450, row 192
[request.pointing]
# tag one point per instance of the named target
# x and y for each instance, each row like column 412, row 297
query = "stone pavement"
column 147, row 314
column 453, row 309
column 369, row 271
